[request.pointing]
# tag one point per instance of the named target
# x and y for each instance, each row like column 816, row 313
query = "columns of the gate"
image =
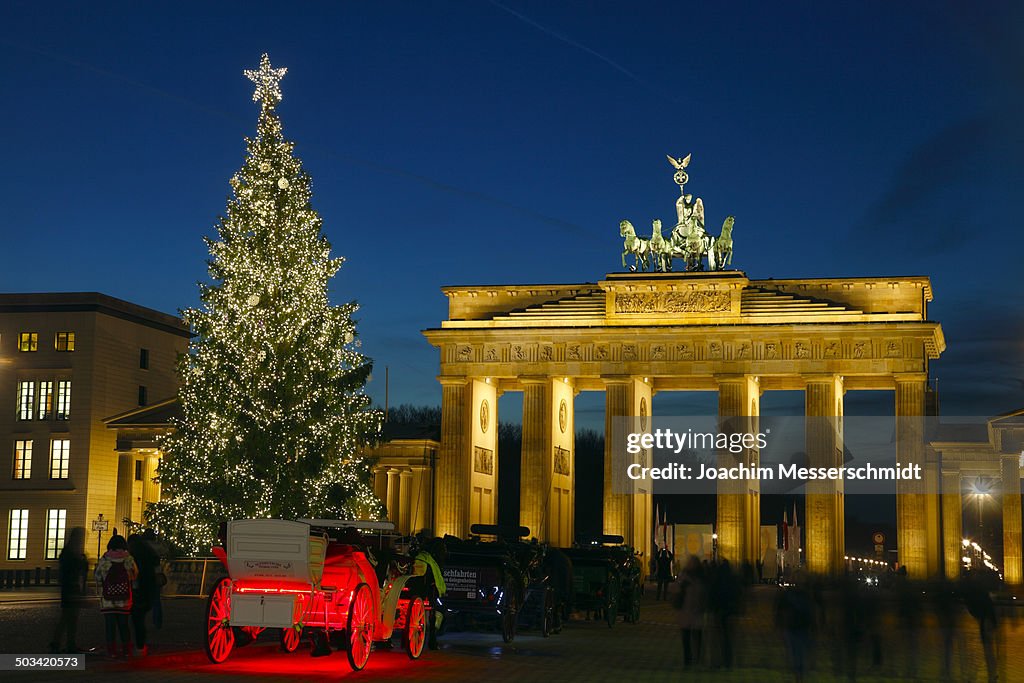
column 483, row 452
column 1011, row 520
column 625, row 514
column 546, row 493
column 450, row 505
column 824, row 517
column 952, row 523
column 912, row 533
column 739, row 507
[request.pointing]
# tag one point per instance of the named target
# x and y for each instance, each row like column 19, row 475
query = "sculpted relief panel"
column 674, row 302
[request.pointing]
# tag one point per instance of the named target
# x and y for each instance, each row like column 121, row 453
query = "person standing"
column 663, row 571
column 72, row 572
column 114, row 573
column 145, row 588
column 689, row 602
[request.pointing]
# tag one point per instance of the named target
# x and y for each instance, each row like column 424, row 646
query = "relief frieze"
column 674, row 302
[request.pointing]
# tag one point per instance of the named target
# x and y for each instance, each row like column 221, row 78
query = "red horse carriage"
column 318, row 577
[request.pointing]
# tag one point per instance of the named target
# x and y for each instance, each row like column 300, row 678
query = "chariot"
column 606, row 579
column 320, row 578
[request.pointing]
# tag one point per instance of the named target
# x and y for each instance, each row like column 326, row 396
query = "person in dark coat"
column 73, row 572
column 663, row 571
column 145, row 588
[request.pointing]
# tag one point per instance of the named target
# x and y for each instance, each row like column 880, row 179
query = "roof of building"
column 413, row 432
column 74, row 302
column 153, row 416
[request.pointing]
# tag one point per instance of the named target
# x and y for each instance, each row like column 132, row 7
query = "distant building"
column 68, row 362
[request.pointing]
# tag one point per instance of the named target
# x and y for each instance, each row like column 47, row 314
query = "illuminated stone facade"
column 67, row 362
column 632, row 335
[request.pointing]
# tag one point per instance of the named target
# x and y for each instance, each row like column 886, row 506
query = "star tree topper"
column 268, row 82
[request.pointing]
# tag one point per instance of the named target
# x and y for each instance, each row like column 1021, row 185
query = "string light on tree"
column 274, row 412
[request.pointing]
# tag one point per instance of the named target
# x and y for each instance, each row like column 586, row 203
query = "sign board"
column 878, row 537
column 460, row 581
column 100, row 524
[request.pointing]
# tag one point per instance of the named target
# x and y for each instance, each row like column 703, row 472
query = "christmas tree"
column 274, row 413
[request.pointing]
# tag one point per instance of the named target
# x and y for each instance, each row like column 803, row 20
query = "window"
column 144, row 359
column 65, row 341
column 26, row 399
column 56, row 520
column 17, row 535
column 28, row 341
column 142, row 396
column 45, row 400
column 60, row 457
column 64, row 399
column 138, row 470
column 23, row 459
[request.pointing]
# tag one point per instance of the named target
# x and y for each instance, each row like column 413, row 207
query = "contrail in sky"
column 590, row 51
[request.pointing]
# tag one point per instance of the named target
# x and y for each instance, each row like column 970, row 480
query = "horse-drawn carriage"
column 606, row 579
column 316, row 577
column 484, row 579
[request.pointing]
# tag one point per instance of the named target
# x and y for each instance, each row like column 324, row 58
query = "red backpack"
column 117, row 585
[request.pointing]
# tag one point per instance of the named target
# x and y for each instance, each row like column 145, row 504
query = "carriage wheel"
column 220, row 637
column 360, row 627
column 290, row 639
column 415, row 628
column 634, row 617
column 547, row 623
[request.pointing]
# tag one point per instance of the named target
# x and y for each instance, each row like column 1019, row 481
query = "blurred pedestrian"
column 794, row 614
column 979, row 603
column 689, row 601
column 114, row 573
column 160, row 549
column 663, row 571
column 724, row 603
column 72, row 571
column 908, row 608
column 144, row 588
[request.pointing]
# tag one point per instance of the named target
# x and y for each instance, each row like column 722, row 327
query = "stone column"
column 560, row 523
column 1011, row 520
column 405, row 502
column 952, row 523
column 451, row 508
column 738, row 522
column 380, row 483
column 618, row 509
column 535, row 472
column 422, row 502
column 912, row 535
column 150, row 488
column 823, row 520
column 394, row 497
column 125, row 483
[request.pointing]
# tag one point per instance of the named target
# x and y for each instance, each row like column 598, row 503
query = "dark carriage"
column 606, row 579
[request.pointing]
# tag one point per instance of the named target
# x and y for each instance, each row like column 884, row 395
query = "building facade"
column 68, row 362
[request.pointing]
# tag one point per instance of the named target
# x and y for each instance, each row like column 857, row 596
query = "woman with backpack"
column 114, row 573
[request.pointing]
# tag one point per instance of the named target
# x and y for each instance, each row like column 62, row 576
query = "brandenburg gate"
column 634, row 334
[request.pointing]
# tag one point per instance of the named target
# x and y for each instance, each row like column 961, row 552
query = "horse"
column 661, row 249
column 722, row 248
column 637, row 246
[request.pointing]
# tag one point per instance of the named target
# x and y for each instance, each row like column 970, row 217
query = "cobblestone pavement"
column 584, row 651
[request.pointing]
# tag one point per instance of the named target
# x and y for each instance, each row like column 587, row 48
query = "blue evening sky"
column 502, row 142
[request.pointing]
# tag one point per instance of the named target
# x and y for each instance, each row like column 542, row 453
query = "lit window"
column 23, row 459
column 17, row 535
column 28, row 341
column 65, row 341
column 60, row 457
column 144, row 359
column 143, row 396
column 64, row 399
column 45, row 400
column 26, row 399
column 56, row 520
